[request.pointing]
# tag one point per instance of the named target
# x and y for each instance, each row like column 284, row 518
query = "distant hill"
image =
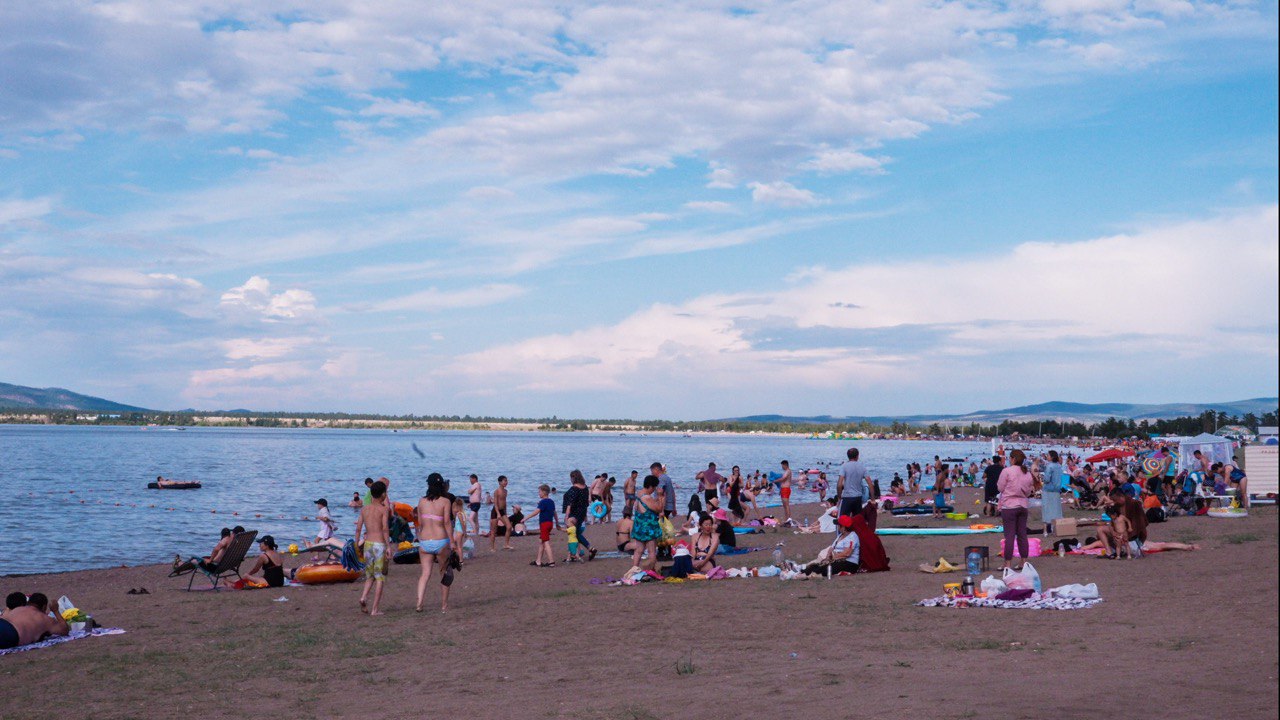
column 1055, row 410
column 17, row 397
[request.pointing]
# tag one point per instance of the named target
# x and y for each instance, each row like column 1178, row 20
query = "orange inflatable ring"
column 324, row 574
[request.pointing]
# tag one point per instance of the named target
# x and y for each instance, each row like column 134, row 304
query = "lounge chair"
column 229, row 563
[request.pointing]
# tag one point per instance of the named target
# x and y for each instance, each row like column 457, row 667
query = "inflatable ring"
column 597, row 509
column 324, row 574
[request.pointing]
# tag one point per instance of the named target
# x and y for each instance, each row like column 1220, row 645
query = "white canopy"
column 1213, row 448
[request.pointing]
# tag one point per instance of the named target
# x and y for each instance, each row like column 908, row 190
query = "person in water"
column 30, row 623
column 435, row 525
column 270, row 562
column 373, row 536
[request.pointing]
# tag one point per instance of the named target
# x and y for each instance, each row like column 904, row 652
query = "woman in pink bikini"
column 435, row 522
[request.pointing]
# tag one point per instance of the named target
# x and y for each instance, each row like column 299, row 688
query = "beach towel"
column 1035, row 602
column 737, row 550
column 59, row 639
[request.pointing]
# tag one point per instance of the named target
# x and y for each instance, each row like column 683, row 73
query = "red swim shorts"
column 544, row 531
column 785, row 493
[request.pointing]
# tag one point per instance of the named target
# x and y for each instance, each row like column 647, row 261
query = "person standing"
column 853, row 487
column 629, row 494
column 667, row 489
column 498, row 517
column 324, row 532
column 1051, row 495
column 547, row 520
column 990, row 487
column 475, row 494
column 576, row 500
column 784, row 493
column 710, row 480
column 735, row 493
column 373, row 536
column 435, row 526
column 645, row 529
column 1016, row 486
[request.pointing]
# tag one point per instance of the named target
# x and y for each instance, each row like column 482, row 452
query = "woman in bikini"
column 705, row 544
column 435, row 523
column 622, row 533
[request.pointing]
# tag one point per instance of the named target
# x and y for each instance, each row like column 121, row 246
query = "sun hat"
column 845, row 521
column 720, row 515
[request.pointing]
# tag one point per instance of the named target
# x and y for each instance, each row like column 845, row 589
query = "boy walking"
column 547, row 519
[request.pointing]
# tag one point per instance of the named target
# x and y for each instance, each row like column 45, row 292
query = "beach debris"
column 281, row 599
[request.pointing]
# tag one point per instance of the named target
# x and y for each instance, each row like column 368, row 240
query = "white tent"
column 1213, row 448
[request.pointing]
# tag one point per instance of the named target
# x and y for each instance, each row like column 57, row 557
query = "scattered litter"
column 282, row 599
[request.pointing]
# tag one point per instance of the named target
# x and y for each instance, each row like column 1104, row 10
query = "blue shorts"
column 939, row 500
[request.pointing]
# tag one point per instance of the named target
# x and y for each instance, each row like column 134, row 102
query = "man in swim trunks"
column 475, row 494
column 629, row 494
column 373, row 535
column 30, row 623
column 784, row 492
column 498, row 517
column 710, row 480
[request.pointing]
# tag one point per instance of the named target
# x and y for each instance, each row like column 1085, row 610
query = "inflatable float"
column 175, row 485
column 404, row 511
column 937, row 531
column 597, row 509
column 920, row 510
column 1228, row 513
column 324, row 574
column 407, row 556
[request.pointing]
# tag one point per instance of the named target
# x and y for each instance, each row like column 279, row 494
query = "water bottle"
column 777, row 556
column 973, row 562
column 806, row 521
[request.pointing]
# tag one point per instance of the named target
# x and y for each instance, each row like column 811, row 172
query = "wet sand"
column 1179, row 635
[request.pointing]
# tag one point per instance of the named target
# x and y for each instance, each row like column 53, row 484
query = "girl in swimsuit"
column 622, row 533
column 435, row 521
column 705, row 544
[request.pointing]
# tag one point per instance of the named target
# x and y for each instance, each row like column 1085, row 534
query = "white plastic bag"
column 1076, row 590
column 993, row 587
column 64, row 604
column 1025, row 579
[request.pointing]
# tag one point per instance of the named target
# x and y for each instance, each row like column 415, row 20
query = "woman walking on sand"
column 645, row 529
column 435, row 522
column 1051, row 508
column 1016, row 486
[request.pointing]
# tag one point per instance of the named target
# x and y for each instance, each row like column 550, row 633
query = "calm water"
column 112, row 519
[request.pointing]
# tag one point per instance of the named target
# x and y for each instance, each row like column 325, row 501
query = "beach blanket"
column 938, row 531
column 59, row 639
column 724, row 550
column 1036, row 602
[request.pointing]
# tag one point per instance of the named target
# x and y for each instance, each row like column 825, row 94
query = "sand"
column 1180, row 635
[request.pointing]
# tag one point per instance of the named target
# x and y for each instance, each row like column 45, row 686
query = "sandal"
column 550, row 564
column 535, row 563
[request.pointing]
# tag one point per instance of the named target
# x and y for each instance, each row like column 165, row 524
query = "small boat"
column 175, row 485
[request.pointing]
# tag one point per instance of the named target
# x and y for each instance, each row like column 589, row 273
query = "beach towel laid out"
column 938, row 531
column 737, row 550
column 1035, row 602
column 59, row 639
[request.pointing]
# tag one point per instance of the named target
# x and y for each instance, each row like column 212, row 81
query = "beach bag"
column 669, row 533
column 1025, row 579
column 993, row 587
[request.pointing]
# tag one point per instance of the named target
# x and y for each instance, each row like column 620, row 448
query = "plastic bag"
column 669, row 533
column 64, row 604
column 992, row 587
column 1076, row 590
column 769, row 571
column 1025, row 579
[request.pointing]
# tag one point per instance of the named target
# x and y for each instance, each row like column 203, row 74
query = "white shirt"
column 844, row 543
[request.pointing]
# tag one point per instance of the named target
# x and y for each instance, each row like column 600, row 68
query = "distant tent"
column 1214, row 449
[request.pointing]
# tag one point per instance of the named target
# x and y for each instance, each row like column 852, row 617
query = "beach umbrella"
column 1110, row 454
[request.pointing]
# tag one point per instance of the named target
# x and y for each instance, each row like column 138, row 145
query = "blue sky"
column 643, row 209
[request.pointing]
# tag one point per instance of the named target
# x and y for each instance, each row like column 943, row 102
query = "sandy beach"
column 1179, row 635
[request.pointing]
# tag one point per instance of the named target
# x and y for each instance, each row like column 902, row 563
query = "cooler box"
column 1065, row 527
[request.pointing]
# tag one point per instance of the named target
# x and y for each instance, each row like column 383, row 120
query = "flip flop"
column 535, row 563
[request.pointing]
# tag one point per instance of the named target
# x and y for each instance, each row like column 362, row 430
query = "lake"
column 77, row 497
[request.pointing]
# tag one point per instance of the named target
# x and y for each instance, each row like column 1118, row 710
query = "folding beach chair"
column 229, row 563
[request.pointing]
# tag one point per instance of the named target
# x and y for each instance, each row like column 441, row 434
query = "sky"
column 641, row 209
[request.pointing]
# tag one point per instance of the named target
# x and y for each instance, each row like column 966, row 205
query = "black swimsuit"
column 273, row 574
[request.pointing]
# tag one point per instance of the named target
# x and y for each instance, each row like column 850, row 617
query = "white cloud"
column 401, row 108
column 712, row 206
column 434, row 299
column 264, row 348
column 16, row 210
column 255, row 298
column 783, row 194
column 974, row 320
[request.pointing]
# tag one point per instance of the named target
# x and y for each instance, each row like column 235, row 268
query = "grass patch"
column 356, row 648
column 1181, row 644
column 1242, row 538
column 901, row 663
column 627, row 712
column 685, row 665
column 1186, row 535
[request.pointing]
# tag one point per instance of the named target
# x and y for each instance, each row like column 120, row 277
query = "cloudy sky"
column 639, row 209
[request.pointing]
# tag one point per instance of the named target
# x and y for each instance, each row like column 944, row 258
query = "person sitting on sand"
column 1128, row 529
column 724, row 528
column 841, row 555
column 622, row 532
column 705, row 544
column 30, row 623
column 826, row 523
column 270, row 562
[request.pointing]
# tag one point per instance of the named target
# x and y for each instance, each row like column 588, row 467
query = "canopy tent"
column 1213, row 448
column 1110, row 454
